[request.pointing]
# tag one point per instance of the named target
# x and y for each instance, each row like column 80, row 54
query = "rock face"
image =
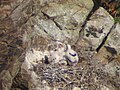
column 109, row 53
column 111, row 49
column 98, row 27
column 12, row 48
column 40, row 48
column 63, row 19
column 113, row 41
column 27, row 23
column 11, row 53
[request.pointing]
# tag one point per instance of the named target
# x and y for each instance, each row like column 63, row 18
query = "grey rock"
column 39, row 21
column 48, row 29
column 76, row 88
column 17, row 13
column 64, row 20
column 113, row 41
column 113, row 68
column 111, row 48
column 98, row 27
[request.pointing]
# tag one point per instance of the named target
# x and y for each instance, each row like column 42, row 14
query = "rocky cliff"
column 58, row 45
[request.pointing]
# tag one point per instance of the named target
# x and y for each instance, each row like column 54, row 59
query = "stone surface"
column 109, row 57
column 63, row 19
column 112, row 68
column 32, row 59
column 113, row 42
column 76, row 88
column 109, row 53
column 12, row 47
column 68, row 14
column 11, row 53
column 111, row 49
column 98, row 27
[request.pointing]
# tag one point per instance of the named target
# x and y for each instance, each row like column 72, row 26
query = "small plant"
column 117, row 19
column 113, row 7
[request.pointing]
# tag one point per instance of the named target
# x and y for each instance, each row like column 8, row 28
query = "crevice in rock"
column 19, row 83
column 104, row 40
column 57, row 24
column 48, row 17
column 111, row 50
column 45, row 31
column 15, row 9
column 95, row 7
column 52, row 18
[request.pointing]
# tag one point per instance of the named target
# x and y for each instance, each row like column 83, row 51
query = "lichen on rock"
column 98, row 27
column 42, row 46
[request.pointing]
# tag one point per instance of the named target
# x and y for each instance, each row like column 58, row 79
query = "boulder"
column 12, row 47
column 38, row 49
column 63, row 20
column 113, row 41
column 111, row 49
column 109, row 54
column 98, row 27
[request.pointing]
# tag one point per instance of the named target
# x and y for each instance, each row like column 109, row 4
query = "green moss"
column 118, row 9
column 117, row 19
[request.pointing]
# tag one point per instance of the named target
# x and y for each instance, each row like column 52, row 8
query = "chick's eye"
column 60, row 45
column 55, row 50
column 74, row 54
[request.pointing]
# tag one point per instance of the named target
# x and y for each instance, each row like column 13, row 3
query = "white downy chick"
column 57, row 55
column 63, row 54
column 71, row 55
